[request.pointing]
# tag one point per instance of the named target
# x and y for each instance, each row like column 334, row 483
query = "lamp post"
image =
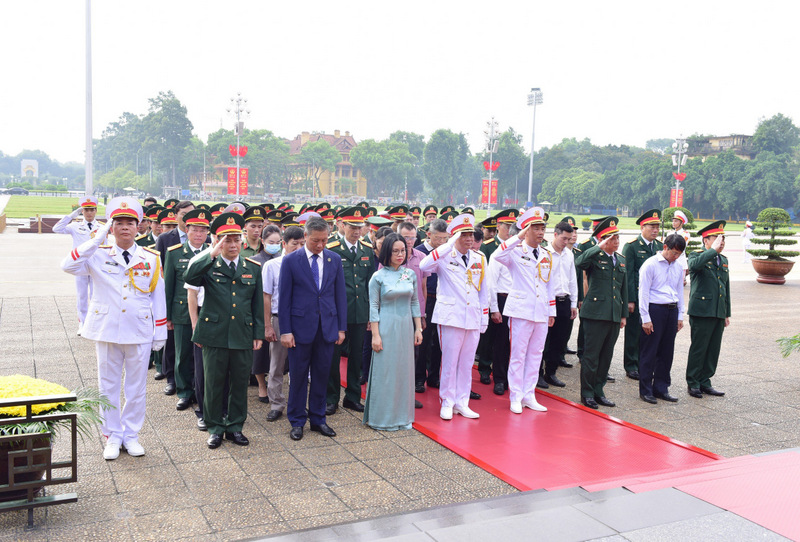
column 679, row 150
column 238, row 109
column 491, row 144
column 534, row 99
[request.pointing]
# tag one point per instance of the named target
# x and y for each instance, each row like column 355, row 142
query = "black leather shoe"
column 201, row 425
column 473, row 395
column 666, row 397
column 159, row 376
column 542, row 384
column 348, row 404
column 649, row 399
column 589, row 402
column 486, row 379
column 499, row 388
column 604, row 401
column 238, row 438
column 419, row 388
column 324, row 430
column 296, row 433
column 264, row 399
column 417, row 404
column 695, row 392
column 633, row 375
column 554, row 380
column 274, row 415
column 712, row 391
column 564, row 363
column 170, row 389
column 610, row 378
column 214, row 441
column 183, row 403
column 330, row 410
column 568, row 351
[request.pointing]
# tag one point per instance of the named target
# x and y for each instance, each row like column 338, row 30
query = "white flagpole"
column 89, row 179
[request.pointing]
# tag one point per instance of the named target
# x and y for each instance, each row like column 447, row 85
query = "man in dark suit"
column 312, row 315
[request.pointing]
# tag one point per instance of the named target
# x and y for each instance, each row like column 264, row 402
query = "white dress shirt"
column 565, row 278
column 270, row 280
column 660, row 282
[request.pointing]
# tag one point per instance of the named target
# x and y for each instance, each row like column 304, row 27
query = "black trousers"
column 656, row 350
column 557, row 337
column 429, row 361
column 168, row 358
column 500, row 344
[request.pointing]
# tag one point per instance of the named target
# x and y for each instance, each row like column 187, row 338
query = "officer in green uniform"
column 229, row 327
column 357, row 261
column 636, row 252
column 175, row 265
column 430, row 213
column 604, row 310
column 216, row 209
column 468, row 211
column 709, row 309
column 253, row 224
column 398, row 214
column 289, row 219
column 447, row 209
column 170, row 203
column 147, row 239
column 275, row 217
column 489, row 226
column 589, row 243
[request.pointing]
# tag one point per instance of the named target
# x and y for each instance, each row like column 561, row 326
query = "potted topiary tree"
column 586, row 224
column 773, row 227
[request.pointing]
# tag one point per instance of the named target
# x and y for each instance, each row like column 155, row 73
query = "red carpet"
column 568, row 446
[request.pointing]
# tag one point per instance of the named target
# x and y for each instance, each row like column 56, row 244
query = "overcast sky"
column 615, row 72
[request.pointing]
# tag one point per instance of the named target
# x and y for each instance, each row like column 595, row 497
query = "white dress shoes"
column 533, row 405
column 111, row 451
column 133, row 448
column 446, row 413
column 466, row 412
column 516, row 407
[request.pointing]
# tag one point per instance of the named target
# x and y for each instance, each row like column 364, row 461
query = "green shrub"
column 772, row 224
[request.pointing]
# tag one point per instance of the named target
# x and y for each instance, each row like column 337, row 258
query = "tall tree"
column 777, row 134
column 267, row 156
column 167, row 133
column 386, row 165
column 416, row 146
column 443, row 165
column 319, row 157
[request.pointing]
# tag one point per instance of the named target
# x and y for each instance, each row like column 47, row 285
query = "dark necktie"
column 233, row 267
column 90, row 225
column 127, row 256
column 196, row 252
column 536, row 254
column 353, row 250
column 464, row 257
column 315, row 270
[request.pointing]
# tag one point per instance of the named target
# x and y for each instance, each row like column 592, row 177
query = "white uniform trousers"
column 122, row 425
column 458, row 357
column 527, row 342
column 83, row 287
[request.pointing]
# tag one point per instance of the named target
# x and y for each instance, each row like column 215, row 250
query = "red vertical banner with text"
column 676, row 197
column 485, row 191
column 231, row 180
column 244, row 175
column 493, row 192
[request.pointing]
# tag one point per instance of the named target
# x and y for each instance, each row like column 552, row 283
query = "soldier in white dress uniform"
column 462, row 312
column 530, row 306
column 127, row 318
column 81, row 232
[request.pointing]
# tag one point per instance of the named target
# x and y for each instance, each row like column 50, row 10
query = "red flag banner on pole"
column 485, row 191
column 493, row 192
column 231, row 180
column 676, row 197
column 243, row 178
column 680, row 177
column 232, row 148
column 243, row 150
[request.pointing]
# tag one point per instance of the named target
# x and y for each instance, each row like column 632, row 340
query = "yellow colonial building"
column 345, row 179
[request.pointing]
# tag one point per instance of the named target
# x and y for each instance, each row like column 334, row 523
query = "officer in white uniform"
column 127, row 318
column 530, row 306
column 462, row 312
column 81, row 232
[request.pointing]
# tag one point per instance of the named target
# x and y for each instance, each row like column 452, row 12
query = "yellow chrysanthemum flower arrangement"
column 19, row 386
column 87, row 406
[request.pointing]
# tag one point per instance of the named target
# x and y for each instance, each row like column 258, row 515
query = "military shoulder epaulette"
column 576, row 248
column 173, row 247
column 105, row 246
column 488, row 241
column 251, row 260
column 366, row 243
column 154, row 251
column 545, row 248
column 333, row 244
column 142, row 236
column 481, row 254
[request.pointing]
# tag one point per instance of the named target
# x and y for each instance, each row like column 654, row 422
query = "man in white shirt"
column 565, row 289
column 661, row 310
column 293, row 239
column 499, row 281
column 81, row 232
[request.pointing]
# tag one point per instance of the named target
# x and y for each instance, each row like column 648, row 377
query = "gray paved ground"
column 180, row 489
